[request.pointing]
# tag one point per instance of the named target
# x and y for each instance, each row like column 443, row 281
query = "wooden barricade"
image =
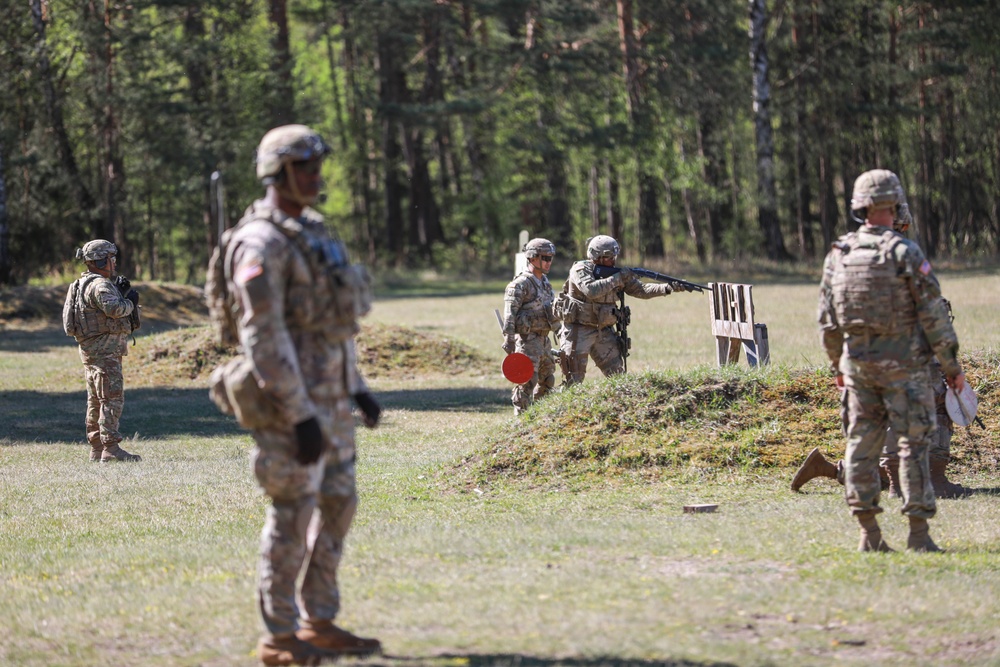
column 733, row 325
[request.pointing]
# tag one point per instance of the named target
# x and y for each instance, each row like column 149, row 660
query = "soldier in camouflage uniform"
column 527, row 322
column 586, row 307
column 882, row 318
column 97, row 315
column 288, row 294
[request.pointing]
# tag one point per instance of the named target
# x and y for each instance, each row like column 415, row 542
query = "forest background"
column 696, row 129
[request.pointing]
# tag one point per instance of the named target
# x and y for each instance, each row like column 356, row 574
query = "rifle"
column 623, row 317
column 125, row 289
column 608, row 271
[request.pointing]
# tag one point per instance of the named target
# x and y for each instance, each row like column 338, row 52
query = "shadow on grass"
column 45, row 338
column 458, row 399
column 164, row 412
column 515, row 660
column 152, row 412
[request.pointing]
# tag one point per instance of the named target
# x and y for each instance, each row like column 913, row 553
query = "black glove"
column 310, row 439
column 369, row 407
column 123, row 284
column 133, row 296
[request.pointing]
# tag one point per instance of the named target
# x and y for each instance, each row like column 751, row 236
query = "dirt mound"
column 709, row 420
column 383, row 352
column 163, row 304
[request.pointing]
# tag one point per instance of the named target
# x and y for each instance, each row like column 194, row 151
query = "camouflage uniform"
column 102, row 315
column 527, row 316
column 882, row 317
column 588, row 313
column 296, row 332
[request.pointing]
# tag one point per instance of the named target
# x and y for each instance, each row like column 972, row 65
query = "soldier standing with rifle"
column 100, row 312
column 586, row 306
column 527, row 322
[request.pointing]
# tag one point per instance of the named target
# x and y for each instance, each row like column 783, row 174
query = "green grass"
column 448, row 564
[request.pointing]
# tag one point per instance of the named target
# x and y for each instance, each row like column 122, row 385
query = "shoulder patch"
column 925, row 268
column 248, row 273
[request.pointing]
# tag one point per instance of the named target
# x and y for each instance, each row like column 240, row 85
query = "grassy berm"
column 656, row 423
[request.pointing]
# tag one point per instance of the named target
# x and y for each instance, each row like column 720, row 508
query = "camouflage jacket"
column 527, row 305
column 296, row 305
column 590, row 301
column 879, row 301
column 102, row 315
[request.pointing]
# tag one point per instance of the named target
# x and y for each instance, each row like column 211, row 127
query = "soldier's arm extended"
column 264, row 336
column 640, row 290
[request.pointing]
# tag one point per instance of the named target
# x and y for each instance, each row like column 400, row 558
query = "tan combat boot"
column 891, row 470
column 116, row 453
column 327, row 636
column 942, row 487
column 95, row 453
column 289, row 650
column 814, row 466
column 920, row 537
column 871, row 534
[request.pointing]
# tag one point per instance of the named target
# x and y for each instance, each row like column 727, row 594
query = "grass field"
column 153, row 564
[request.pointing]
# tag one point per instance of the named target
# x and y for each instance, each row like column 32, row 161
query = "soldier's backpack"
column 72, row 314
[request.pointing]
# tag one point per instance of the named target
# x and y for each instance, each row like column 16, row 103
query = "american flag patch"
column 925, row 268
column 248, row 273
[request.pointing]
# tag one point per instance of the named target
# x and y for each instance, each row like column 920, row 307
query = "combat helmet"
column 602, row 246
column 539, row 246
column 96, row 250
column 285, row 144
column 877, row 189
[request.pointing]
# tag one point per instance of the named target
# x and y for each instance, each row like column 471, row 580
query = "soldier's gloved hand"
column 133, row 296
column 508, row 345
column 369, row 408
column 310, row 440
column 123, row 284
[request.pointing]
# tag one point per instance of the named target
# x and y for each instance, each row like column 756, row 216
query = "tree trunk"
column 613, row 207
column 774, row 242
column 390, row 86
column 5, row 260
column 282, row 109
column 650, row 186
column 803, row 193
column 84, row 199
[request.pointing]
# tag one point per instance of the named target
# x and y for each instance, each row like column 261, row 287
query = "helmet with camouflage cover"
column 876, row 189
column 285, row 144
column 602, row 247
column 96, row 250
column 539, row 246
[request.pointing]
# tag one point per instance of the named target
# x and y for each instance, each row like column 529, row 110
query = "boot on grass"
column 871, row 534
column 814, row 466
column 891, row 471
column 942, row 487
column 920, row 537
column 95, row 453
column 289, row 650
column 327, row 636
column 116, row 453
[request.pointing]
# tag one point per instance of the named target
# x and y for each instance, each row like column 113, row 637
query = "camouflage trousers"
column 537, row 348
column 311, row 511
column 105, row 400
column 881, row 396
column 578, row 342
column 940, row 447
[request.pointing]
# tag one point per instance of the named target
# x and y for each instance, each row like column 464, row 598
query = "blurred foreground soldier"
column 882, row 318
column 527, row 322
column 281, row 287
column 588, row 312
column 96, row 313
